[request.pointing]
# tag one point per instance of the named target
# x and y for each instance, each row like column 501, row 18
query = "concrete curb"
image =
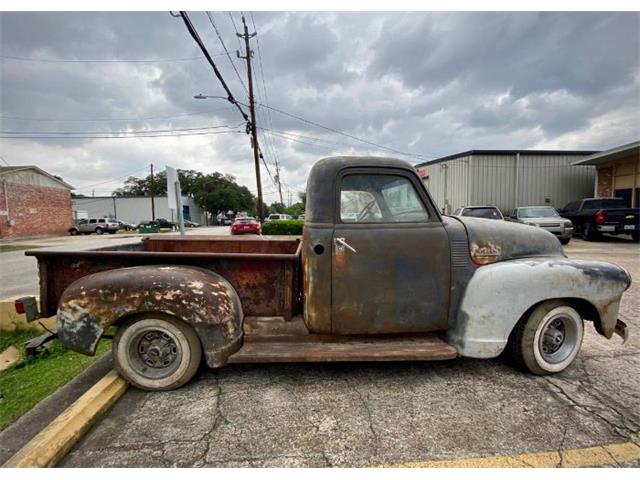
column 49, row 446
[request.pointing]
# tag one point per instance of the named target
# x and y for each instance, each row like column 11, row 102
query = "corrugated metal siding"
column 491, row 181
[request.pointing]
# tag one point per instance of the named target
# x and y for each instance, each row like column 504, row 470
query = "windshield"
column 483, row 212
column 537, row 212
column 604, row 203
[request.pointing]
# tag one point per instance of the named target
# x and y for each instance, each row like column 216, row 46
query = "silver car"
column 547, row 218
column 95, row 225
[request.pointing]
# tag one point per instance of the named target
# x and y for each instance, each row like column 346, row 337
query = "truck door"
column 390, row 255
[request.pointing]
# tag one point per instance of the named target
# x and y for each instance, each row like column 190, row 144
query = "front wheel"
column 156, row 351
column 74, row 231
column 99, row 231
column 565, row 241
column 548, row 339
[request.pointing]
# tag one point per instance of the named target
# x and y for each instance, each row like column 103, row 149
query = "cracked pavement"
column 364, row 414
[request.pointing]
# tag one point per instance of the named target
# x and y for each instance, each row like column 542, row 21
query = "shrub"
column 283, row 227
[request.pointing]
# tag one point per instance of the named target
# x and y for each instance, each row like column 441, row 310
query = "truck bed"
column 265, row 272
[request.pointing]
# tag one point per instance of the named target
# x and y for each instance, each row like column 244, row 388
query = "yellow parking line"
column 580, row 457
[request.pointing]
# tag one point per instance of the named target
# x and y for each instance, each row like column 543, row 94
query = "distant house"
column 507, row 178
column 617, row 172
column 33, row 202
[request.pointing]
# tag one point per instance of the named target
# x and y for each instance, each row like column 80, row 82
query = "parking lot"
column 357, row 414
column 19, row 273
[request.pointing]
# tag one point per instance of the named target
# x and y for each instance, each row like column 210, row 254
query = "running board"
column 322, row 348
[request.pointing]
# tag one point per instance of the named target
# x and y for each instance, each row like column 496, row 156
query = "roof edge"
column 506, row 152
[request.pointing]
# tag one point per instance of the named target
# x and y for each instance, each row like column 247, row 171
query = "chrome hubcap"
column 559, row 338
column 157, row 349
column 553, row 337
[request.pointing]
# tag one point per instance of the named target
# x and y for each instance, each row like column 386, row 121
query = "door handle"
column 341, row 244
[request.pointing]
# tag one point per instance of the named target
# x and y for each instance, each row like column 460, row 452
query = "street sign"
column 172, row 178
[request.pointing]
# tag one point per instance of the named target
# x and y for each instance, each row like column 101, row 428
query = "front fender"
column 499, row 294
column 202, row 298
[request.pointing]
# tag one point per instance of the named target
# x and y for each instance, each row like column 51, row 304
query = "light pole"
column 251, row 128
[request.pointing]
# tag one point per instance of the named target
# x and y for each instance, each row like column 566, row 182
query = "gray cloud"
column 428, row 83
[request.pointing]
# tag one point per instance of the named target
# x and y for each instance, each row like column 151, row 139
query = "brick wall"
column 605, row 182
column 36, row 210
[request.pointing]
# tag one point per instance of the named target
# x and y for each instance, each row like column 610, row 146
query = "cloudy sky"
column 421, row 85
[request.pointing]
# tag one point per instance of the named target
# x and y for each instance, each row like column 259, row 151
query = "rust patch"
column 201, row 298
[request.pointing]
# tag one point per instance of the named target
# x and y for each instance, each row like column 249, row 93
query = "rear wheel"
column 635, row 236
column 99, row 231
column 156, row 351
column 548, row 339
column 565, row 241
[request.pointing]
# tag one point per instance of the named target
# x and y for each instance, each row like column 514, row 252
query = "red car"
column 245, row 225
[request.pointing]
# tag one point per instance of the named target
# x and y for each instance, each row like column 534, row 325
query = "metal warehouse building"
column 134, row 209
column 507, row 178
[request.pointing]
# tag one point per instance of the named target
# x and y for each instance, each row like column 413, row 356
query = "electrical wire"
column 215, row 28
column 170, row 130
column 126, row 119
column 310, row 122
column 194, row 34
column 92, row 137
column 55, row 60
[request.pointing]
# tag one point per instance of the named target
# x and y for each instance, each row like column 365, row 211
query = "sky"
column 418, row 85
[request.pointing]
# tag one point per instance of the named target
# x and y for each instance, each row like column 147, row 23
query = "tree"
column 134, row 186
column 217, row 193
column 213, row 193
column 277, row 207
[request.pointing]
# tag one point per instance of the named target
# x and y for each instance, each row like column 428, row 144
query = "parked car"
column 160, row 223
column 547, row 218
column 164, row 223
column 486, row 211
column 278, row 216
column 190, row 224
column 95, row 225
column 415, row 284
column 592, row 217
column 126, row 225
column 244, row 225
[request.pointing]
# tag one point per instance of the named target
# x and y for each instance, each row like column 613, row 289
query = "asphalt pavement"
column 368, row 414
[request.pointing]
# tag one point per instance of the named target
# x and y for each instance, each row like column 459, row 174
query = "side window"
column 102, row 220
column 367, row 198
column 93, row 220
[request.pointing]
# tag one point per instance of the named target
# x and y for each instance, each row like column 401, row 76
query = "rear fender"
column 499, row 294
column 201, row 298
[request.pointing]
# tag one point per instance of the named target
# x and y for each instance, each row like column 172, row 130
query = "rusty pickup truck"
column 378, row 275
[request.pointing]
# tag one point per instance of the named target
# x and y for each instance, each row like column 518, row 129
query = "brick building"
column 617, row 172
column 33, row 202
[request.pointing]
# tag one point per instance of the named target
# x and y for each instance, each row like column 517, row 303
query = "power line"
column 69, row 137
column 112, row 179
column 3, row 159
column 170, row 130
column 126, row 119
column 196, row 38
column 215, row 28
column 310, row 122
column 270, row 143
column 55, row 60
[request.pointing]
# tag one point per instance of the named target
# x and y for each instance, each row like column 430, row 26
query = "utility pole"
column 252, row 111
column 153, row 188
column 278, row 182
